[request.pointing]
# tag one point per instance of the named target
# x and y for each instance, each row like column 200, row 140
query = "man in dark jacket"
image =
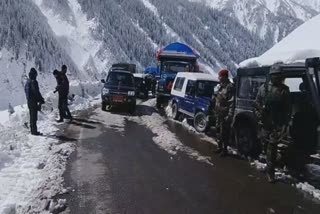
column 65, row 89
column 224, row 109
column 34, row 99
column 58, row 77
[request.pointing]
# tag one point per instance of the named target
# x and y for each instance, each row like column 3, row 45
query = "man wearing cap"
column 273, row 109
column 34, row 99
column 224, row 109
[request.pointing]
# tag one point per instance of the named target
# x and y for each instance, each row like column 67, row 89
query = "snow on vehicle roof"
column 197, row 76
column 302, row 43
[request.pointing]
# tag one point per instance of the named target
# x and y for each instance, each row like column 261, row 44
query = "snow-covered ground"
column 31, row 167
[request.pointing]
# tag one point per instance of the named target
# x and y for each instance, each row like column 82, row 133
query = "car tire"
column 159, row 102
column 103, row 106
column 246, row 140
column 175, row 111
column 200, row 122
column 132, row 108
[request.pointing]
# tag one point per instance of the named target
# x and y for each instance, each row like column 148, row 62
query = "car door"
column 189, row 99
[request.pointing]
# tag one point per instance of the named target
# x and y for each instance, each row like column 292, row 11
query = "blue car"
column 192, row 97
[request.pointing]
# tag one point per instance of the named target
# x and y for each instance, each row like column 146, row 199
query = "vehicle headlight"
column 131, row 93
column 105, row 91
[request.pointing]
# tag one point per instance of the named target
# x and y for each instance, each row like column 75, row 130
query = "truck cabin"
column 304, row 118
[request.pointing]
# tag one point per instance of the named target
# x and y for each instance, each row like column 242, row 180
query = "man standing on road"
column 65, row 84
column 58, row 76
column 273, row 110
column 224, row 109
column 34, row 99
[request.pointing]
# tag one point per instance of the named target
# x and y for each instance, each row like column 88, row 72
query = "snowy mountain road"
column 132, row 164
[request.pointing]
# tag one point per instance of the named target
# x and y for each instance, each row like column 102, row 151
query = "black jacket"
column 62, row 85
column 32, row 92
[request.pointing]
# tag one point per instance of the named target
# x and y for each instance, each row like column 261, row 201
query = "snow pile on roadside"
column 164, row 138
column 302, row 43
column 190, row 128
column 258, row 165
column 309, row 189
column 31, row 167
column 314, row 170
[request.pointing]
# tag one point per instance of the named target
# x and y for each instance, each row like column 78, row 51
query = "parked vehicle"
column 174, row 58
column 192, row 96
column 124, row 67
column 143, row 83
column 305, row 108
column 119, row 90
column 154, row 71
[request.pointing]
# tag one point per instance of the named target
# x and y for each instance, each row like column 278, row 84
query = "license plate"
column 118, row 99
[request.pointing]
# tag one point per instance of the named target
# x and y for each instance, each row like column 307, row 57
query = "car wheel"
column 132, row 108
column 146, row 95
column 245, row 139
column 200, row 122
column 175, row 111
column 103, row 106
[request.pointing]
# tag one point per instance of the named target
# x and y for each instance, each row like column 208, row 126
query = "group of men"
column 272, row 108
column 35, row 99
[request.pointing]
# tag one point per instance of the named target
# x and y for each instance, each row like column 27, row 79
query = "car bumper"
column 116, row 101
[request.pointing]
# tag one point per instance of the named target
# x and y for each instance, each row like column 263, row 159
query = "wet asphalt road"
column 120, row 170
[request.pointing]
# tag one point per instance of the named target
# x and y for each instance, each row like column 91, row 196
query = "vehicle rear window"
column 249, row 86
column 206, row 88
column 294, row 84
column 116, row 78
column 179, row 83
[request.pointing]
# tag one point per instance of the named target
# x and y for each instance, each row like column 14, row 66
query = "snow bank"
column 302, row 43
column 309, row 189
column 164, row 138
column 258, row 165
column 31, row 167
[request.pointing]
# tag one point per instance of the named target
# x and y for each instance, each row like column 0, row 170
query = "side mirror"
column 103, row 81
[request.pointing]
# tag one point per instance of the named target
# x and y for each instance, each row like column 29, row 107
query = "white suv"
column 192, row 96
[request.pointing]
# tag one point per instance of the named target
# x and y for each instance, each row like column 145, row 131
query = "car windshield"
column 205, row 88
column 120, row 78
column 175, row 67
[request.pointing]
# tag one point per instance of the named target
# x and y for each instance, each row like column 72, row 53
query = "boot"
column 218, row 151
column 271, row 178
column 60, row 120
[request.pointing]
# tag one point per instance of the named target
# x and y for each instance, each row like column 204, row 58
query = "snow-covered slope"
column 297, row 46
column 90, row 35
column 271, row 19
column 75, row 33
column 26, row 40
